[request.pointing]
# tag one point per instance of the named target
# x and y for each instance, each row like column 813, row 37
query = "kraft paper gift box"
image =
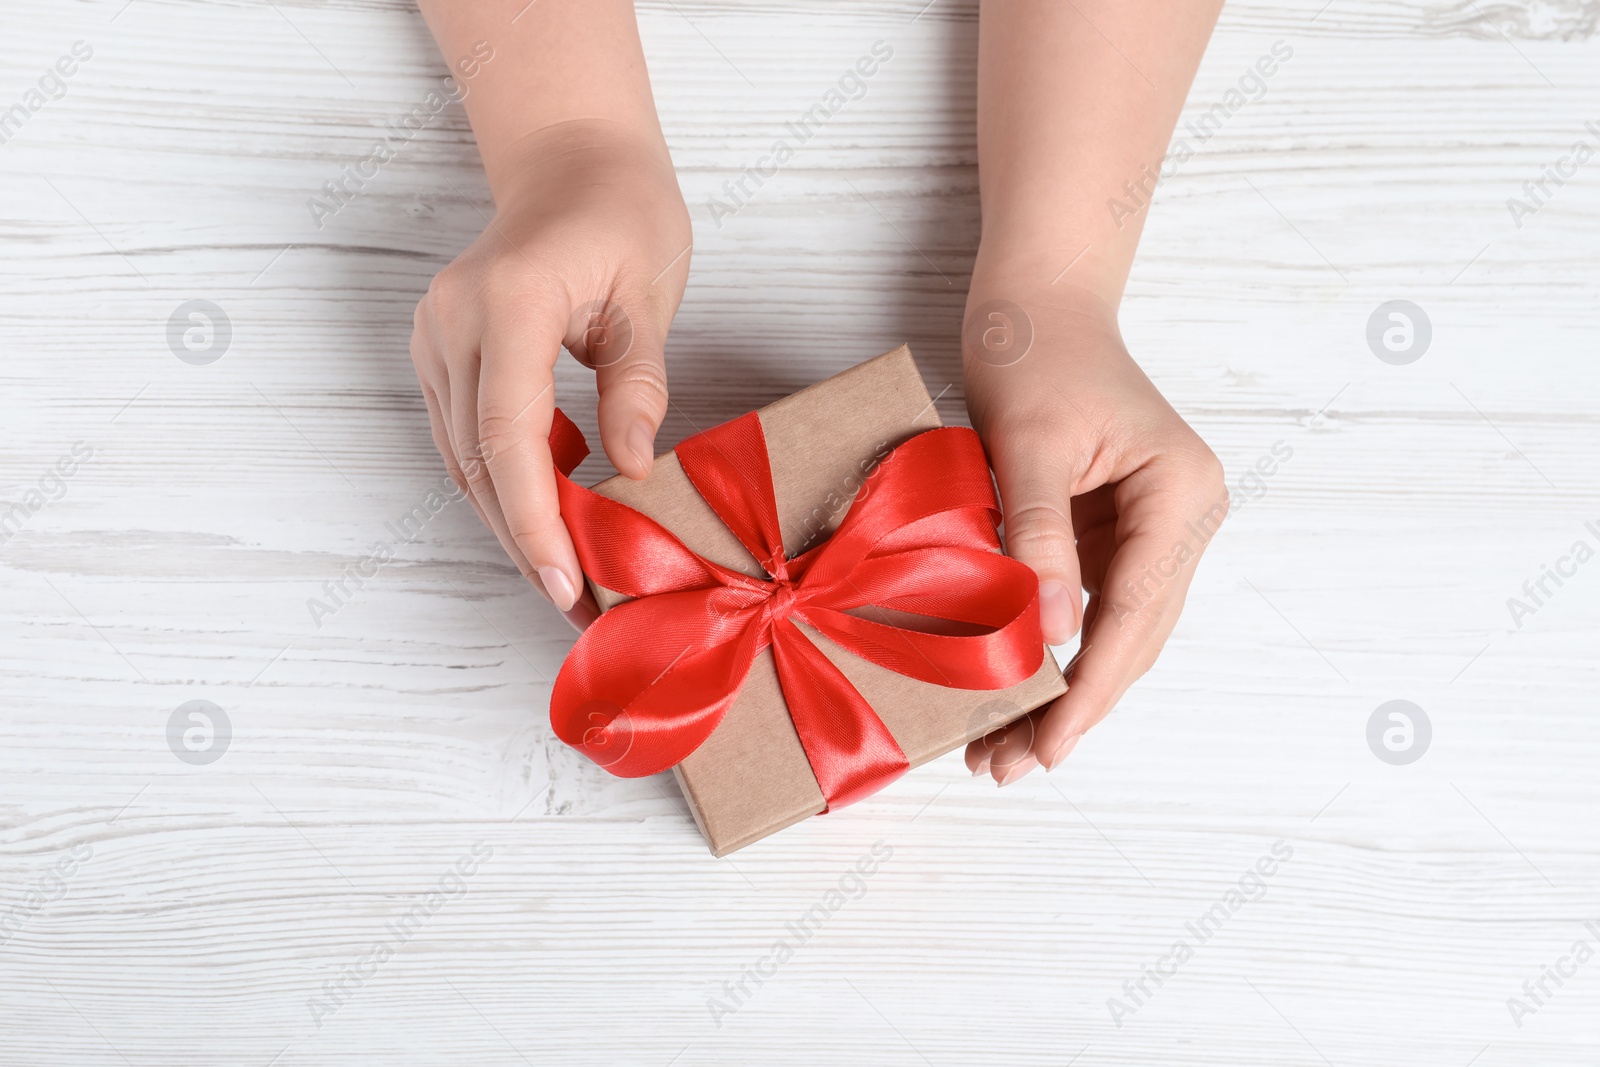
column 751, row 778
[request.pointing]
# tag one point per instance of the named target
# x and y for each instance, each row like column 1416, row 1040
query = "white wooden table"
column 273, row 905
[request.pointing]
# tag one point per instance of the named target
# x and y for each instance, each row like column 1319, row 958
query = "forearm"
column 554, row 62
column 1076, row 98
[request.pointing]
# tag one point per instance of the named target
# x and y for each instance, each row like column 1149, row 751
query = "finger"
column 513, row 412
column 441, row 437
column 427, row 357
column 462, row 452
column 1034, row 494
column 1010, row 745
column 436, row 396
column 625, row 345
column 441, row 441
column 980, row 753
column 1049, row 748
column 584, row 612
column 1166, row 516
column 1016, row 771
column 467, row 441
column 435, row 392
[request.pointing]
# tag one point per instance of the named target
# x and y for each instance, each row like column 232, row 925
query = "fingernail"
column 559, row 586
column 983, row 766
column 641, row 442
column 1061, row 752
column 1057, row 613
column 1016, row 771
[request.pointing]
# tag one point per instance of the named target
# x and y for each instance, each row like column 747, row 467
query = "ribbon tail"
column 851, row 751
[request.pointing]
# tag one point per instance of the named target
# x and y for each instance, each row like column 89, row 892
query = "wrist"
column 1022, row 316
column 1048, row 266
column 1046, row 274
column 586, row 151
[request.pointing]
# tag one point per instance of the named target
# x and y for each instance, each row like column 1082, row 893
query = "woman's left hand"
column 1104, row 487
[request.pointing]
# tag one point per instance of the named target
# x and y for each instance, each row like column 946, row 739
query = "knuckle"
column 1195, row 474
column 1040, row 533
column 444, row 291
column 1147, row 657
column 1209, row 467
column 1210, row 476
column 474, row 469
column 1196, row 459
column 1138, row 609
column 527, row 531
column 444, row 309
column 471, row 459
column 648, row 380
column 1223, row 500
column 498, row 435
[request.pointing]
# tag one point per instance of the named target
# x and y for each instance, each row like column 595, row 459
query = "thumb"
column 624, row 342
column 1038, row 531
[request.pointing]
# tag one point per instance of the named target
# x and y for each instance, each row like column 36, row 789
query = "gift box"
column 779, row 684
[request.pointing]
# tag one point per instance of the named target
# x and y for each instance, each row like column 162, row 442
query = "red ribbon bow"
column 650, row 680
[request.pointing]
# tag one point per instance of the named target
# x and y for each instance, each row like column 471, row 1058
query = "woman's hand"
column 589, row 248
column 1104, row 488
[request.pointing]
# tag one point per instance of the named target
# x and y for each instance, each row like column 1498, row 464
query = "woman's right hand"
column 589, row 249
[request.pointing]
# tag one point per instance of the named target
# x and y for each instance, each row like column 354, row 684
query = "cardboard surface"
column 751, row 778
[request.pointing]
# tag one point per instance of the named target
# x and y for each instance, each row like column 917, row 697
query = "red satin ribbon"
column 650, row 680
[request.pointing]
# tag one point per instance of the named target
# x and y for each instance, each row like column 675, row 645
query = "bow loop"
column 722, row 464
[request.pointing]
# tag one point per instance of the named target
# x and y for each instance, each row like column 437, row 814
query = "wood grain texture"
column 196, row 914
